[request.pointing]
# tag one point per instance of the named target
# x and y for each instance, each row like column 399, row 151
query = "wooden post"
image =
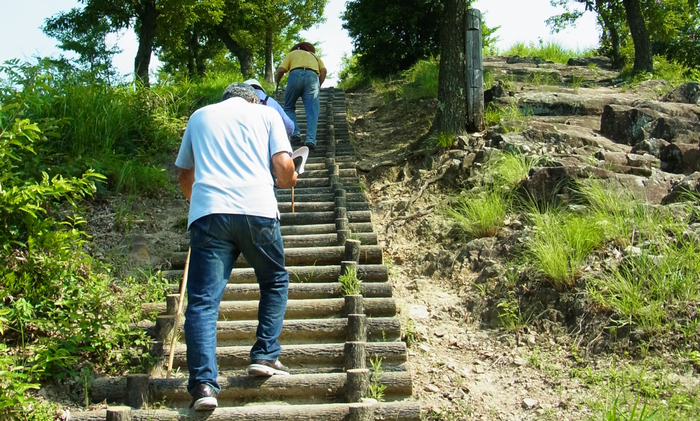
column 136, row 390
column 355, row 355
column 172, row 301
column 475, row 72
column 352, row 250
column 353, row 304
column 357, row 384
column 346, row 265
column 119, row 413
column 342, row 236
column 330, row 161
column 165, row 326
column 361, row 412
column 357, row 328
column 341, row 213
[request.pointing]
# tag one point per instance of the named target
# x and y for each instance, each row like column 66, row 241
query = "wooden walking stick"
column 183, row 288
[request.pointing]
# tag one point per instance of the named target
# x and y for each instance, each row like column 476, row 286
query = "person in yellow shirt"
column 306, row 75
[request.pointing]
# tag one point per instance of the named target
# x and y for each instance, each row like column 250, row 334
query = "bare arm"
column 321, row 76
column 283, row 169
column 186, row 180
column 280, row 72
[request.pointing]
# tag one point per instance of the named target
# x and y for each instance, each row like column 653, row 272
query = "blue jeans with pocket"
column 216, row 241
column 303, row 83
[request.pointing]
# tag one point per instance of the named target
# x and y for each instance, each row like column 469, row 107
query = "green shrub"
column 510, row 168
column 349, row 283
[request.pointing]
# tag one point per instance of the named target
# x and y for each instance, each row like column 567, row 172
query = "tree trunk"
column 643, row 59
column 605, row 13
column 195, row 63
column 147, row 16
column 269, row 71
column 244, row 55
column 451, row 116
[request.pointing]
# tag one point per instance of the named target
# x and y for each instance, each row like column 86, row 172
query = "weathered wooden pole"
column 475, row 72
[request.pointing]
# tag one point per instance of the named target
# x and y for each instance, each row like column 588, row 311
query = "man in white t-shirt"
column 231, row 154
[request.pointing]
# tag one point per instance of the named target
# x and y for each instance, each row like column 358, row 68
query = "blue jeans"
column 216, row 241
column 303, row 83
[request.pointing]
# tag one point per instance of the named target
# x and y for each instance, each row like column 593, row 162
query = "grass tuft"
column 480, row 215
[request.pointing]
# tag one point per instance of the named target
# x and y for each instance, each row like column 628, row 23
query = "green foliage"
column 494, row 114
column 509, row 169
column 390, row 36
column 560, row 245
column 57, row 306
column 376, row 388
column 480, row 215
column 651, row 289
column 550, row 51
column 349, row 283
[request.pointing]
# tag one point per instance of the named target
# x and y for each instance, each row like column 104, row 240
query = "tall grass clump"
column 653, row 289
column 420, row 81
column 550, row 51
column 479, row 215
column 560, row 244
column 510, row 168
column 624, row 216
column 494, row 114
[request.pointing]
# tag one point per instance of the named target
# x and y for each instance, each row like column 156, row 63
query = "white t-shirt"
column 230, row 144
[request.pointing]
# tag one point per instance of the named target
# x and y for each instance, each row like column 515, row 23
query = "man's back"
column 231, row 143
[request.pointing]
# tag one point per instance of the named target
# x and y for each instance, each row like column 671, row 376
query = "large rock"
column 684, row 190
column 528, row 60
column 627, row 125
column 651, row 146
column 633, row 124
column 687, row 93
column 680, row 158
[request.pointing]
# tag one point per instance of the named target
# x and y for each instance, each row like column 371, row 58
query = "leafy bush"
column 57, row 306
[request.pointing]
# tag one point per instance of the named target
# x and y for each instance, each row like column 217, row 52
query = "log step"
column 299, row 206
column 318, row 197
column 394, row 411
column 305, row 218
column 302, row 274
column 238, row 390
column 318, row 240
column 296, row 309
column 305, row 331
column 356, row 227
column 296, row 356
column 297, row 291
column 303, row 256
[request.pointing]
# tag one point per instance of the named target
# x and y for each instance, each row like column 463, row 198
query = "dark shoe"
column 267, row 368
column 296, row 139
column 310, row 145
column 204, row 398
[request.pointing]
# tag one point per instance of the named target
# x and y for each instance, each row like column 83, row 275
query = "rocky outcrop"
column 599, row 62
column 650, row 119
column 687, row 93
column 689, row 186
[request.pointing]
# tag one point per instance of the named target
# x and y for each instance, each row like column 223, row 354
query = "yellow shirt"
column 301, row 58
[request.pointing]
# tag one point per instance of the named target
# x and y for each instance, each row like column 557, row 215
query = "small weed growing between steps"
column 349, row 283
column 376, row 388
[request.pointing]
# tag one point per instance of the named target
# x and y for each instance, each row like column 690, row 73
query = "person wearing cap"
column 233, row 153
column 265, row 99
column 306, row 75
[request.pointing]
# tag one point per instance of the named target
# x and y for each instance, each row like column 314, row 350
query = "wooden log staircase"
column 328, row 339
